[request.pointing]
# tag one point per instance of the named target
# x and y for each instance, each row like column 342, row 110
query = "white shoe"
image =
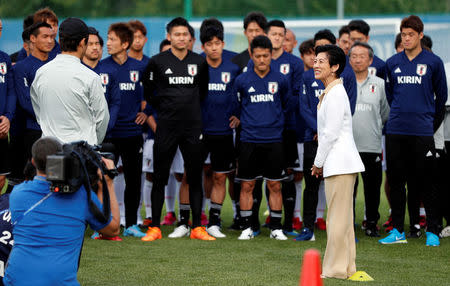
column 445, row 232
column 246, row 234
column 214, row 230
column 180, row 231
column 278, row 234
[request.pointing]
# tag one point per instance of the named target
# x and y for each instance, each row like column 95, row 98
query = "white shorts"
column 383, row 152
column 300, row 150
column 147, row 162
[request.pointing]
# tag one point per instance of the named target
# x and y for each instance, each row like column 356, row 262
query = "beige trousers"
column 340, row 255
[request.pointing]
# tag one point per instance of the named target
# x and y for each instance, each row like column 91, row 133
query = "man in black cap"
column 67, row 96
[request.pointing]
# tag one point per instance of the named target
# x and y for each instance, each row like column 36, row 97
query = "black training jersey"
column 175, row 87
column 241, row 60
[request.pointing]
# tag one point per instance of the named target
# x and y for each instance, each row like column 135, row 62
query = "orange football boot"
column 153, row 233
column 200, row 233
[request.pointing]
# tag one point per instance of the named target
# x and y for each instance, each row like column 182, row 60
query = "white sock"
column 233, row 206
column 147, row 195
column 119, row 187
column 365, row 218
column 170, row 192
column 298, row 199
column 322, row 202
column 422, row 212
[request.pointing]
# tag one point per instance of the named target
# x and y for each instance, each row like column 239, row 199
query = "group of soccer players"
column 182, row 123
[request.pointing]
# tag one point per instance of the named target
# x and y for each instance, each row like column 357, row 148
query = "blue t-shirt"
column 264, row 103
column 416, row 91
column 48, row 240
column 7, row 92
column 6, row 239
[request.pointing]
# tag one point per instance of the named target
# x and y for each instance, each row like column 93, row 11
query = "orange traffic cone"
column 310, row 275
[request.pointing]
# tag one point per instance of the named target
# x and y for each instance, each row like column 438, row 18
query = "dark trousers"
column 169, row 135
column 444, row 184
column 310, row 194
column 130, row 149
column 372, row 178
column 30, row 137
column 410, row 160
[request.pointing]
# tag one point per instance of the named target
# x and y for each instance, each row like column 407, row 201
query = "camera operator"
column 67, row 96
column 49, row 226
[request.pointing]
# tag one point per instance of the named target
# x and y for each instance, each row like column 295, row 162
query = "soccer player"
column 372, row 111
column 416, row 90
column 292, row 68
column 359, row 32
column 27, row 22
column 164, row 45
column 136, row 50
column 290, row 42
column 94, row 50
column 264, row 95
column 41, row 38
column 307, row 55
column 309, row 99
column 218, row 120
column 126, row 133
column 175, row 82
column 344, row 41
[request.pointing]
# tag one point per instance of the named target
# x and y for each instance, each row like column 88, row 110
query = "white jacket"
column 337, row 152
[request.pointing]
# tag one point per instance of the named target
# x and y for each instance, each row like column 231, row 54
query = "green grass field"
column 261, row 261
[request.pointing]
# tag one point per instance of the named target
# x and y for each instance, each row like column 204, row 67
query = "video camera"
column 76, row 166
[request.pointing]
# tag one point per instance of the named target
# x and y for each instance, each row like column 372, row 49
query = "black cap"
column 73, row 28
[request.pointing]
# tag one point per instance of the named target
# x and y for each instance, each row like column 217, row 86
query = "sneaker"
column 414, row 232
column 432, row 239
column 372, row 231
column 112, row 238
column 169, row 219
column 388, row 222
column 200, row 233
column 133, row 231
column 147, row 222
column 277, row 234
column 394, row 237
column 423, row 221
column 153, row 233
column 204, row 219
column 445, row 232
column 180, row 231
column 291, row 233
column 246, row 234
column 297, row 224
column 95, row 235
column 305, row 235
column 321, row 224
column 235, row 225
column 214, row 230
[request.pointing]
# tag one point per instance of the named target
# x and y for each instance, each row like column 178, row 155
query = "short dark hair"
column 413, row 22
column 191, row 31
column 178, row 21
column 34, row 29
column 42, row 148
column 364, row 45
column 325, row 34
column 398, row 40
column 336, row 56
column 211, row 22
column 360, row 26
column 256, row 17
column 275, row 23
column 137, row 25
column 344, row 30
column 306, row 47
column 28, row 21
column 163, row 43
column 44, row 14
column 261, row 42
column 209, row 33
column 70, row 44
column 123, row 31
column 93, row 31
column 426, row 42
column 26, row 35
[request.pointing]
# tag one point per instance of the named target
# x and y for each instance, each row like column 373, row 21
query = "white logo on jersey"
column 429, row 154
column 168, row 71
column 314, row 84
column 304, row 89
column 372, row 70
column 150, row 76
column 273, row 87
column 261, row 98
column 25, row 82
column 372, row 88
column 397, row 70
column 284, row 69
column 3, row 69
column 409, row 79
column 251, row 89
column 105, row 78
column 134, row 76
column 225, row 77
column 421, row 69
column 192, row 70
column 127, row 86
column 244, row 69
column 181, row 80
column 217, row 87
column 378, row 159
column 318, row 92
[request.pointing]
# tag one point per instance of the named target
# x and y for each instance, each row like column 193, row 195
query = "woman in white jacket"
column 338, row 161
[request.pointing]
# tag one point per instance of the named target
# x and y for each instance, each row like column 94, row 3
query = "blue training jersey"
column 53, row 53
column 24, row 73
column 264, row 102
column 219, row 105
column 7, row 92
column 127, row 77
column 378, row 67
column 416, row 91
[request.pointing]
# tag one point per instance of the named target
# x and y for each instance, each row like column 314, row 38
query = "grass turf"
column 261, row 261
